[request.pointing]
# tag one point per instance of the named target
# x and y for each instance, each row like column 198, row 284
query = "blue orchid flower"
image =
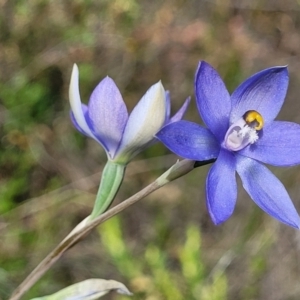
column 106, row 120
column 241, row 134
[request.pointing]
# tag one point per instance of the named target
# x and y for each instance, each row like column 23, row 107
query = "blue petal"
column 213, row 100
column 278, row 145
column 267, row 191
column 178, row 116
column 189, row 140
column 264, row 92
column 221, row 189
column 108, row 113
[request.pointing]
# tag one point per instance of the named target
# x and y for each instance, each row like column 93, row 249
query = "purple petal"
column 178, row 116
column 278, row 145
column 213, row 100
column 108, row 113
column 264, row 92
column 267, row 191
column 189, row 140
column 221, row 188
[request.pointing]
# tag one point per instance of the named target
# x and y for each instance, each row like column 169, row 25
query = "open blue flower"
column 106, row 119
column 241, row 134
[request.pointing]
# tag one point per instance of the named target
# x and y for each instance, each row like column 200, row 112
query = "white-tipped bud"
column 144, row 122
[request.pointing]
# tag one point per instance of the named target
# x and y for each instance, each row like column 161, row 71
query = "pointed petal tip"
column 284, row 67
column 180, row 113
column 73, row 87
column 218, row 219
column 275, row 70
column 215, row 220
column 108, row 78
column 109, row 82
column 279, row 69
column 75, row 70
column 157, row 89
column 294, row 223
column 291, row 223
column 202, row 64
column 160, row 85
column 75, row 73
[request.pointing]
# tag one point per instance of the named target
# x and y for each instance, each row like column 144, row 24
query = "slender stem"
column 179, row 169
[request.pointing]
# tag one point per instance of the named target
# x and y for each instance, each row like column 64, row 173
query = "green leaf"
column 90, row 289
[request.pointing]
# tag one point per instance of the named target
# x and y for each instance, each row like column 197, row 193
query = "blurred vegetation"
column 165, row 247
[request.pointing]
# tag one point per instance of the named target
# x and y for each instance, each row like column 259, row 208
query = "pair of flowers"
column 241, row 134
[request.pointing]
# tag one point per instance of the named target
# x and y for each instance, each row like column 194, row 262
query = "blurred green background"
column 164, row 247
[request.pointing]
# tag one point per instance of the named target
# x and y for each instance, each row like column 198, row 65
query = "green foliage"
column 153, row 274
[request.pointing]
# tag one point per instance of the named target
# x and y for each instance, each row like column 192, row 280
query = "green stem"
column 111, row 180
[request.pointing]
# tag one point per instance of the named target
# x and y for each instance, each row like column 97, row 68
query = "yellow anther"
column 254, row 119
